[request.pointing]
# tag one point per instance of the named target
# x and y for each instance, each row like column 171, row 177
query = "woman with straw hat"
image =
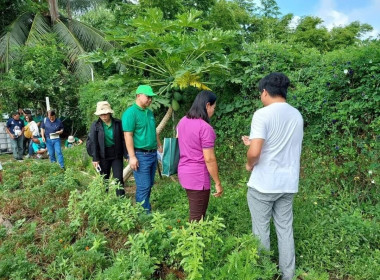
column 108, row 144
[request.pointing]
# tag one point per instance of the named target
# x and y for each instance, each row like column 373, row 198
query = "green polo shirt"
column 108, row 134
column 141, row 122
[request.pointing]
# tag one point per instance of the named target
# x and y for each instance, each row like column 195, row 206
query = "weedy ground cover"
column 66, row 227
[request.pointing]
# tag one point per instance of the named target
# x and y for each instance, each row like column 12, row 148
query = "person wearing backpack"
column 106, row 145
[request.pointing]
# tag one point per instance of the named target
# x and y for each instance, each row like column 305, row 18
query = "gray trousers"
column 263, row 206
column 17, row 147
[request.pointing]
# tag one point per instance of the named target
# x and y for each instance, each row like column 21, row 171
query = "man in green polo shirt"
column 142, row 143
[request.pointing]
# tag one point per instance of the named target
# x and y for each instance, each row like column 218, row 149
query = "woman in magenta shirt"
column 197, row 162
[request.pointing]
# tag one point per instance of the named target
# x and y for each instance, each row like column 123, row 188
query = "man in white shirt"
column 274, row 158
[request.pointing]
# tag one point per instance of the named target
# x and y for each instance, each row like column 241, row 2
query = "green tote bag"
column 170, row 156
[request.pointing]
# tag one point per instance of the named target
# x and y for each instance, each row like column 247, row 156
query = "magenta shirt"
column 194, row 135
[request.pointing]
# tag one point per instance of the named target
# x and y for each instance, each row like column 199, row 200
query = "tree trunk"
column 127, row 172
column 53, row 9
column 68, row 10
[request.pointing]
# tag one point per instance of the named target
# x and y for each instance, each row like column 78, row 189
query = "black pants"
column 26, row 142
column 198, row 202
column 116, row 163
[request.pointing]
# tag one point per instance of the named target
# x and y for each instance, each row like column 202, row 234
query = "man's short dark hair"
column 51, row 113
column 276, row 84
column 15, row 113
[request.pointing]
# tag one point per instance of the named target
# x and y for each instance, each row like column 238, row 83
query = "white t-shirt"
column 281, row 127
column 34, row 128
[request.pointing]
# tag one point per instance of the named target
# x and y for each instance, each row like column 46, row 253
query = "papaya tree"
column 170, row 55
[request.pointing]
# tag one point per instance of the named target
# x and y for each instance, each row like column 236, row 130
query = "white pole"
column 47, row 104
column 92, row 74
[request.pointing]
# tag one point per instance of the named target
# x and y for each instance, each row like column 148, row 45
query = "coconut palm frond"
column 74, row 48
column 13, row 38
column 40, row 27
column 90, row 37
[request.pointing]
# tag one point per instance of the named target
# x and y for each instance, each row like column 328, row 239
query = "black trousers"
column 198, row 202
column 114, row 162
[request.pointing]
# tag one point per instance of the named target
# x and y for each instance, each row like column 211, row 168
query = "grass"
column 64, row 226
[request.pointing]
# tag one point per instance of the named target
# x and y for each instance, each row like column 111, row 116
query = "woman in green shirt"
column 108, row 144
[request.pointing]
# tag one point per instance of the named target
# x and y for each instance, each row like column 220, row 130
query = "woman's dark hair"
column 198, row 109
column 29, row 116
column 276, row 84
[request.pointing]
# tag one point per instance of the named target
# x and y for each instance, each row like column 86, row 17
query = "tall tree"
column 269, row 8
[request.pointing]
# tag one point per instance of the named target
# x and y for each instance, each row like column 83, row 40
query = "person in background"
column 21, row 113
column 51, row 129
column 33, row 127
column 15, row 129
column 26, row 141
column 38, row 118
column 108, row 145
column 142, row 143
column 39, row 147
column 273, row 158
column 72, row 141
column 1, row 173
column 33, row 131
column 197, row 161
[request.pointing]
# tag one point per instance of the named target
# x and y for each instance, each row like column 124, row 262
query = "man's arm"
column 133, row 162
column 60, row 131
column 43, row 134
column 9, row 132
column 254, row 152
column 212, row 167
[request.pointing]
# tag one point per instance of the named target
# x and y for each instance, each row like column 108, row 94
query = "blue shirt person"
column 51, row 129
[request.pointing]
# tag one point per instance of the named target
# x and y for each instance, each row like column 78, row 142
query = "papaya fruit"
column 175, row 105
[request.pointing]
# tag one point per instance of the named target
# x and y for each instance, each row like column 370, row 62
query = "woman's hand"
column 219, row 190
column 96, row 165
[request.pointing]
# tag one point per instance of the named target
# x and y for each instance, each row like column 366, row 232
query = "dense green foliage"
column 78, row 232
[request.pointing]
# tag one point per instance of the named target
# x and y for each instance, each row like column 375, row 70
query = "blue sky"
column 336, row 12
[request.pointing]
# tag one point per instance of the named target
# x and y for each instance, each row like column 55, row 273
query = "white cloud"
column 294, row 22
column 332, row 15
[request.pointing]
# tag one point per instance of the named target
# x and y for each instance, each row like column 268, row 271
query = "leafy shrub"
column 99, row 209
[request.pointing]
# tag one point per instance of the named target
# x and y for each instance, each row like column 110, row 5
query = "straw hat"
column 103, row 107
column 71, row 139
